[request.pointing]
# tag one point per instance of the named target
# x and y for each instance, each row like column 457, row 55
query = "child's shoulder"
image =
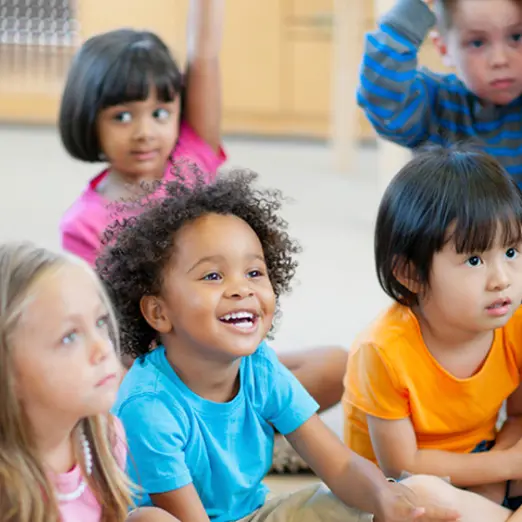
column 444, row 87
column 192, row 148
column 89, row 209
column 395, row 331
column 146, row 381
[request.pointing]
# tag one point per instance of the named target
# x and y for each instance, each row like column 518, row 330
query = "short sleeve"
column 156, row 438
column 288, row 404
column 190, row 147
column 372, row 386
column 81, row 240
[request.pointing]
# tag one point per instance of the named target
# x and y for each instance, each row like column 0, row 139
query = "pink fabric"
column 83, row 224
column 86, row 508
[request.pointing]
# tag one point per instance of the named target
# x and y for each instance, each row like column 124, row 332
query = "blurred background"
column 289, row 79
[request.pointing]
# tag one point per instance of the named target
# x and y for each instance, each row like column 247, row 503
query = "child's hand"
column 400, row 504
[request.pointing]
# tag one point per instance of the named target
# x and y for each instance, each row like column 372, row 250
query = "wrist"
column 512, row 460
column 383, row 495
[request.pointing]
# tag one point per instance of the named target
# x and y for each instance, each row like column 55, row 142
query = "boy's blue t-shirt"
column 176, row 437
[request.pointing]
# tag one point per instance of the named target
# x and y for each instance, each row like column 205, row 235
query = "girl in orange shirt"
column 426, row 382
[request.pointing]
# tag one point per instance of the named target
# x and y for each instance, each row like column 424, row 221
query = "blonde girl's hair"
column 26, row 494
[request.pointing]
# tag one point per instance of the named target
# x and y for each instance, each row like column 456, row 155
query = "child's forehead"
column 485, row 15
column 214, row 235
column 61, row 291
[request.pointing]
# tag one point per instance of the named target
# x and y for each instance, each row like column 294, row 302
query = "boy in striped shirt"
column 411, row 105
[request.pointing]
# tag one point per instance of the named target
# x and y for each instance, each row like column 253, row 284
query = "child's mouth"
column 499, row 308
column 242, row 320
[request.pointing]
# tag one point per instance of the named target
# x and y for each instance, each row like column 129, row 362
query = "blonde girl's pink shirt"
column 86, row 508
column 83, row 224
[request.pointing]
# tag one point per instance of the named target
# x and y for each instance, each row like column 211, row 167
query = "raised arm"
column 203, row 89
column 394, row 94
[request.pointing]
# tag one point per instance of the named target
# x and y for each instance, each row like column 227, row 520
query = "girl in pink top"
column 127, row 104
column 61, row 454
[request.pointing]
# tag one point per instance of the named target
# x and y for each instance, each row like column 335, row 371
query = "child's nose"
column 239, row 289
column 143, row 129
column 100, row 348
column 498, row 55
column 499, row 279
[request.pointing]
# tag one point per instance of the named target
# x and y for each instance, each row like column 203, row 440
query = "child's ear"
column 406, row 274
column 440, row 44
column 153, row 311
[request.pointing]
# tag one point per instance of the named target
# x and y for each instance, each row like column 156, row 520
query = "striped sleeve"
column 394, row 93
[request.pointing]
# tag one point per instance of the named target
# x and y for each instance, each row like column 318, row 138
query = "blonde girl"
column 61, row 453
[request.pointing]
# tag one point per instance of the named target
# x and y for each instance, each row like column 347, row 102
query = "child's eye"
column 255, row 273
column 69, row 338
column 511, row 253
column 516, row 37
column 161, row 114
column 103, row 322
column 213, row 276
column 474, row 261
column 476, row 43
column 123, row 117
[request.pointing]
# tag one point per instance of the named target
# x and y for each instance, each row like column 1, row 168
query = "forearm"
column 205, row 30
column 391, row 85
column 464, row 469
column 203, row 77
column 358, row 484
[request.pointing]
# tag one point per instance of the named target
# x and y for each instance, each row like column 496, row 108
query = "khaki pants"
column 315, row 503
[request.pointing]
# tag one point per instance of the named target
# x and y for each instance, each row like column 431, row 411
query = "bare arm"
column 183, row 503
column 396, row 449
column 357, row 481
column 509, row 435
column 320, row 371
column 203, row 91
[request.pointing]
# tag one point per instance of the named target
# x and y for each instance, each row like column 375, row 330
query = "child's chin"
column 501, row 98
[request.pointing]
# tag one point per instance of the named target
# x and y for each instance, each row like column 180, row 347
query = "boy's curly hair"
column 138, row 248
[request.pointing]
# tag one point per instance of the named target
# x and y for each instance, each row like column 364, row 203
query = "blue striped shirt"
column 412, row 106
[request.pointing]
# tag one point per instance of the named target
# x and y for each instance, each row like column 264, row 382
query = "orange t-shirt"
column 392, row 375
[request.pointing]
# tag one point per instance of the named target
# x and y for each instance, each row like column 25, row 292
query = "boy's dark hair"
column 112, row 68
column 139, row 248
column 456, row 194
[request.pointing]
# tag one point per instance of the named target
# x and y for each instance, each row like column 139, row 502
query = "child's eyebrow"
column 219, row 258
column 206, row 259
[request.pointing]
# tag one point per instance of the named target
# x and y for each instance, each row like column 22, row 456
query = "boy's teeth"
column 238, row 315
column 244, row 324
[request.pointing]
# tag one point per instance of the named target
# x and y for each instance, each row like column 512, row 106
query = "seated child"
column 425, row 383
column 61, row 452
column 126, row 103
column 195, row 280
column 410, row 105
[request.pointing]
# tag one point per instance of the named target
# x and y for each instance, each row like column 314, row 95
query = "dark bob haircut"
column 138, row 249
column 456, row 194
column 112, row 68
